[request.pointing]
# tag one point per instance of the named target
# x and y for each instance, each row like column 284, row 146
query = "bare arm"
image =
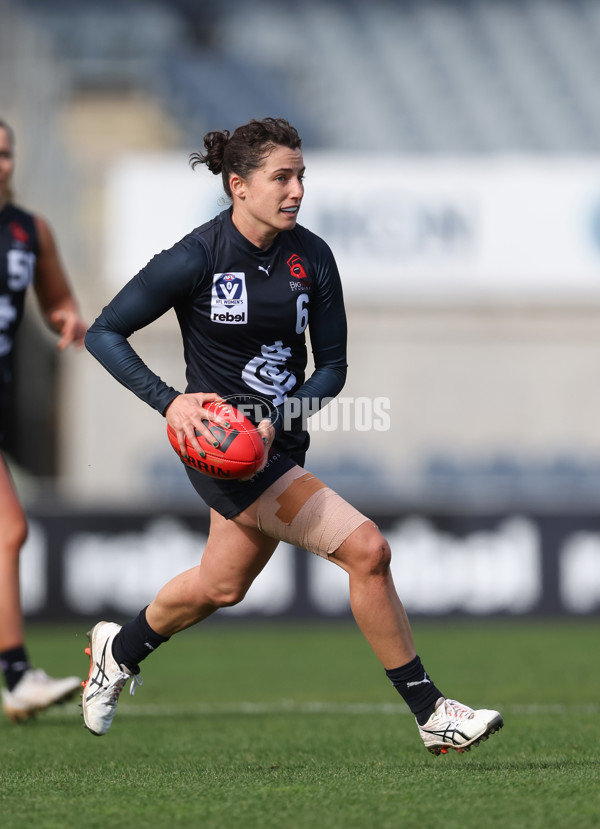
column 57, row 303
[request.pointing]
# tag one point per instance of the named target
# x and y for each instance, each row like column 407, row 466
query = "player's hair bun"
column 214, row 143
column 245, row 150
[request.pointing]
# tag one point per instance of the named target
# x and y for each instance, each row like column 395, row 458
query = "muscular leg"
column 379, row 613
column 233, row 557
column 27, row 691
column 300, row 509
column 12, row 538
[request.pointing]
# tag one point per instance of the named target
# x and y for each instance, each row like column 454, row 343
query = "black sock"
column 416, row 688
column 135, row 641
column 14, row 663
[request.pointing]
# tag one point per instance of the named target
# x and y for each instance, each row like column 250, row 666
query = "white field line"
column 200, row 709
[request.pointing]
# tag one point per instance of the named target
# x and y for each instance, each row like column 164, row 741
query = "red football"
column 240, row 450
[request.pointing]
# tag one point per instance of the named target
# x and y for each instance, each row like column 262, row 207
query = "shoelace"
column 457, row 709
column 115, row 691
column 136, row 680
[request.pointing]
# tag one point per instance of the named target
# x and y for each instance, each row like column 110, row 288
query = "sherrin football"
column 239, row 451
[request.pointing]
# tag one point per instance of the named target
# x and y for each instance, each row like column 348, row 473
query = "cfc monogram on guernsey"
column 267, row 373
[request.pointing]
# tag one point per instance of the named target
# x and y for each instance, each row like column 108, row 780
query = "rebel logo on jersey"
column 229, row 301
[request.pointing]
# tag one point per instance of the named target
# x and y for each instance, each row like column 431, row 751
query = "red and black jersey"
column 243, row 313
column 18, row 257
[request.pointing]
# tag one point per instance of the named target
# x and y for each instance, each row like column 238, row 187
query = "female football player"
column 28, row 256
column 245, row 286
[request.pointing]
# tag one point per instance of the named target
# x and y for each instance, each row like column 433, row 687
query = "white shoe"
column 454, row 725
column 36, row 691
column 106, row 679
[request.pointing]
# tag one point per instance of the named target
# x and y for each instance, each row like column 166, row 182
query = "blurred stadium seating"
column 442, row 76
column 432, row 78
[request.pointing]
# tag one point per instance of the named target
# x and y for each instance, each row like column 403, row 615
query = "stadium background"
column 453, row 153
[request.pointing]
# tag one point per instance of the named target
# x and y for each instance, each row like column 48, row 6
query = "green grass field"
column 276, row 726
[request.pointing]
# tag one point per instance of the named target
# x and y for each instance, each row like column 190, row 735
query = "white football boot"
column 106, row 679
column 456, row 726
column 36, row 691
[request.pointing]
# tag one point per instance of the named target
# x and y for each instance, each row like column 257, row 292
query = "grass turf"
column 297, row 726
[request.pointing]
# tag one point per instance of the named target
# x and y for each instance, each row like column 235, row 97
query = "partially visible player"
column 28, row 256
column 245, row 287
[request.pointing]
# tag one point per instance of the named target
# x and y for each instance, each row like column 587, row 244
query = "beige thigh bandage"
column 302, row 510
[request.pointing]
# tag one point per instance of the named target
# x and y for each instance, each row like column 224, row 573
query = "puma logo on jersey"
column 266, row 270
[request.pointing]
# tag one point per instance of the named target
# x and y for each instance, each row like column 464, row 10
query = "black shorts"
column 231, row 497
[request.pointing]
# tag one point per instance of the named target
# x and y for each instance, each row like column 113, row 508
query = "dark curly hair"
column 245, row 150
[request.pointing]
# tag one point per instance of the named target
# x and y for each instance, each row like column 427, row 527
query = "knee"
column 227, row 595
column 370, row 553
column 378, row 555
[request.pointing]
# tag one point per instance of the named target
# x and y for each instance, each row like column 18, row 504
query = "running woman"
column 245, row 287
column 28, row 256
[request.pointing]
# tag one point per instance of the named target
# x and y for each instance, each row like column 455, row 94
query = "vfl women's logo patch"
column 229, row 301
